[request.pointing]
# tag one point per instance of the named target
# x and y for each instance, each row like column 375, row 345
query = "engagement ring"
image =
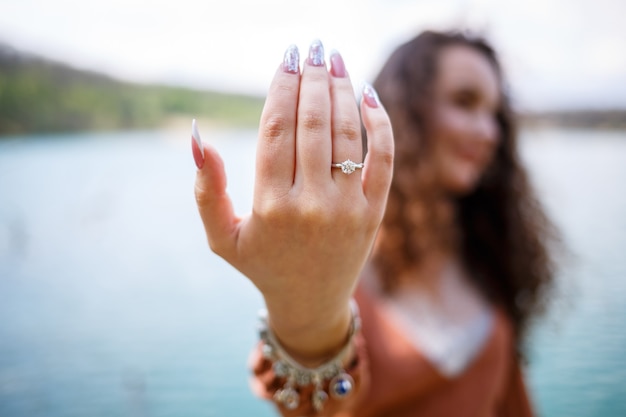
column 347, row 167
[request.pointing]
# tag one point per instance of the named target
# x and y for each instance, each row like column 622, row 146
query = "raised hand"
column 312, row 226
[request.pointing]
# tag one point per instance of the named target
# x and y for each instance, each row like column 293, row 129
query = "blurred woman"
column 447, row 287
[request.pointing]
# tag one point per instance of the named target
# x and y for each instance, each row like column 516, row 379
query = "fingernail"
column 316, row 54
column 196, row 145
column 370, row 96
column 291, row 61
column 337, row 67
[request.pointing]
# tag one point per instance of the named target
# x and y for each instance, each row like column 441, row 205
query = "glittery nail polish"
column 291, row 61
column 316, row 54
column 370, row 96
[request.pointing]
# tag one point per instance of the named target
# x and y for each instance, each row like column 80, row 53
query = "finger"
column 313, row 144
column 345, row 121
column 378, row 169
column 214, row 204
column 275, row 162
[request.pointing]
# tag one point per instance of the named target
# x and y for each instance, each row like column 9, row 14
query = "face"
column 465, row 131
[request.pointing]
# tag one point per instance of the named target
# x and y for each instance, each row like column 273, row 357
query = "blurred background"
column 111, row 303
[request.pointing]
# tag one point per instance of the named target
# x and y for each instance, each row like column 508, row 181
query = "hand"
column 312, row 226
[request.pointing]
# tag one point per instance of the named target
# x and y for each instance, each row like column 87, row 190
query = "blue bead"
column 342, row 387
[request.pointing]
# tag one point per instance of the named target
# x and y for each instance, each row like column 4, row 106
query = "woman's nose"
column 486, row 128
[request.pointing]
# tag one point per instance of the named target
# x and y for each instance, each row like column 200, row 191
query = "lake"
column 111, row 303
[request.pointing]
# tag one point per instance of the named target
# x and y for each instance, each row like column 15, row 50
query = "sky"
column 556, row 53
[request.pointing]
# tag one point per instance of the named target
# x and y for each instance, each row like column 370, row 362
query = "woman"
column 458, row 267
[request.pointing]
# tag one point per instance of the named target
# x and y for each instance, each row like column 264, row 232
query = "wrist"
column 309, row 335
column 329, row 377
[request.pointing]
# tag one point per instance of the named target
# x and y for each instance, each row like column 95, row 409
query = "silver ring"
column 347, row 166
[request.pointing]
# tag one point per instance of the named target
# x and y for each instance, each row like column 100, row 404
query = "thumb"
column 214, row 204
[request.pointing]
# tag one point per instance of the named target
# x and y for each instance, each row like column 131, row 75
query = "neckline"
column 396, row 328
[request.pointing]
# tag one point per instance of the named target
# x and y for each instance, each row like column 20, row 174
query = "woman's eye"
column 465, row 101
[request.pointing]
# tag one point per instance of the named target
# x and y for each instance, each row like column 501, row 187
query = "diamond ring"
column 347, row 166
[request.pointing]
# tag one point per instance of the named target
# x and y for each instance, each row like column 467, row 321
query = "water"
column 111, row 303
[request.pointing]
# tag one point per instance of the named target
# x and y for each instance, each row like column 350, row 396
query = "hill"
column 40, row 95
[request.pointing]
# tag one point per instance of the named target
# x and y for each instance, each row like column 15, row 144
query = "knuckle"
column 383, row 151
column 317, row 77
column 268, row 211
column 381, row 125
column 346, row 128
column 386, row 157
column 287, row 89
column 361, row 218
column 313, row 121
column 273, row 210
column 203, row 198
column 274, row 127
column 314, row 214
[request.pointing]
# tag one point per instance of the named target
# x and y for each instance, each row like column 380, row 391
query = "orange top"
column 392, row 378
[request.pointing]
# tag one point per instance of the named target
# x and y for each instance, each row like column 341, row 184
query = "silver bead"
column 318, row 398
column 290, row 398
column 331, row 371
column 280, row 369
column 268, row 351
column 263, row 334
column 303, row 378
column 316, row 378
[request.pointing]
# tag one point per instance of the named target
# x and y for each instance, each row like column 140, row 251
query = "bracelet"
column 341, row 383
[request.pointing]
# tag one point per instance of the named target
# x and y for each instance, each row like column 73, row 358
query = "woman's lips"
column 472, row 154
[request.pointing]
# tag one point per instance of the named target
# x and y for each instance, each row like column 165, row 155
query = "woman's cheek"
column 462, row 176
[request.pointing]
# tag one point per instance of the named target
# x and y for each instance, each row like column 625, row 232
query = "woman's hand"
column 312, row 226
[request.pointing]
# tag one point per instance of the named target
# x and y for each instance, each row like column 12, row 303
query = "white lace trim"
column 449, row 332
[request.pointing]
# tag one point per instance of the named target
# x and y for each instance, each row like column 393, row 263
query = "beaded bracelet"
column 341, row 383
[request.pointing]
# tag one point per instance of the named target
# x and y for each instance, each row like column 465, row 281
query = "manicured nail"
column 337, row 67
column 316, row 54
column 291, row 61
column 370, row 96
column 196, row 145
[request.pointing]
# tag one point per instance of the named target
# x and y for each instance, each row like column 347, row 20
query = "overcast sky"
column 557, row 53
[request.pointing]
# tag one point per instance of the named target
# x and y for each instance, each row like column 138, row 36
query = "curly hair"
column 499, row 227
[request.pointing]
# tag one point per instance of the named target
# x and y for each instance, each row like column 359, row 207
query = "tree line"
column 39, row 95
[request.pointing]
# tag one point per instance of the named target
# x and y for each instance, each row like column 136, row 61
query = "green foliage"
column 37, row 95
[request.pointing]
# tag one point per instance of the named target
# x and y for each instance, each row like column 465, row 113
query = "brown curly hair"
column 499, row 228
